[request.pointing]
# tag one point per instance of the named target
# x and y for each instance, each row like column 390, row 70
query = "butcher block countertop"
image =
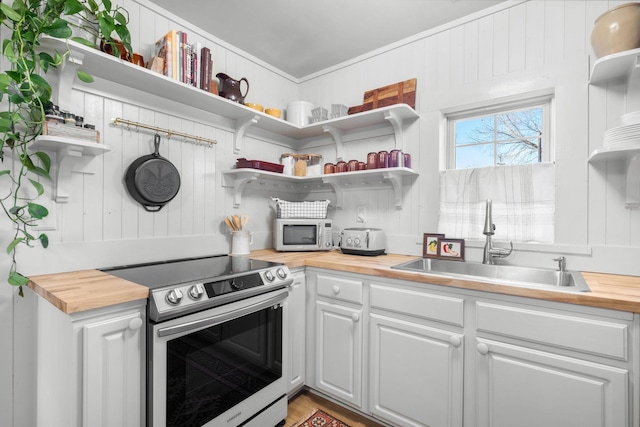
column 87, row 289
column 83, row 290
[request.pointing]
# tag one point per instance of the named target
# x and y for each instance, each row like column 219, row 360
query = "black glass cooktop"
column 187, row 270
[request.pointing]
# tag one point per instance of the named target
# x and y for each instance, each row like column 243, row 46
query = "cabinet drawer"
column 418, row 303
column 340, row 288
column 583, row 334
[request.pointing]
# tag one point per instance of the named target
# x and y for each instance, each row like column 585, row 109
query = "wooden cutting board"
column 397, row 93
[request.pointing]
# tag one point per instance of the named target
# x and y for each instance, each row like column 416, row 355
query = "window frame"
column 492, row 108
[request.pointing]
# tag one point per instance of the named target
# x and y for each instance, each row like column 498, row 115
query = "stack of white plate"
column 627, row 133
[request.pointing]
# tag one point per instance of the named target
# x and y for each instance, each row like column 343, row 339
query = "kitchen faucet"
column 491, row 252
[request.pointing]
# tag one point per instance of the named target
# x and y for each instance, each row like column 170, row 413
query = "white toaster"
column 363, row 241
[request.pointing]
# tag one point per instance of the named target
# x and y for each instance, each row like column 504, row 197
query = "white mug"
column 240, row 241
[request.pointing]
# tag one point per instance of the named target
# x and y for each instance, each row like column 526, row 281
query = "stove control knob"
column 196, row 291
column 269, row 276
column 174, row 296
column 282, row 274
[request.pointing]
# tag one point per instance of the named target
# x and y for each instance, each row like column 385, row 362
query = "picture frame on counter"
column 451, row 249
column 430, row 245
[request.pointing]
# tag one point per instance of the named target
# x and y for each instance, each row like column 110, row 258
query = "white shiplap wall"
column 506, row 51
column 526, row 47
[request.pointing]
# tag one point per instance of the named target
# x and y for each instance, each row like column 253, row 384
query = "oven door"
column 220, row 367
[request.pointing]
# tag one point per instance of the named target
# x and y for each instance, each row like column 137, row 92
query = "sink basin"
column 538, row 278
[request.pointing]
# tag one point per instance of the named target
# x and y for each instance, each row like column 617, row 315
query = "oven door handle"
column 233, row 313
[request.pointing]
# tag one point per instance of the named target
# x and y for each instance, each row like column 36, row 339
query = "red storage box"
column 258, row 164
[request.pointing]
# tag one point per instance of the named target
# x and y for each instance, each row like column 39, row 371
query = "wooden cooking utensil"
column 237, row 223
column 244, row 219
column 229, row 223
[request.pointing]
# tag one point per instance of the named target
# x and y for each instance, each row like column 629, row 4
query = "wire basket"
column 307, row 209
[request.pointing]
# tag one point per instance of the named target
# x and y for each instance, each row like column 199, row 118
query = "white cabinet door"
column 339, row 352
column 296, row 343
column 113, row 372
column 415, row 373
column 518, row 386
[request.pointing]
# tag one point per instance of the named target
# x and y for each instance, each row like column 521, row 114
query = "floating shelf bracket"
column 238, row 183
column 396, row 183
column 397, row 124
column 241, row 126
column 337, row 138
column 71, row 156
column 338, row 189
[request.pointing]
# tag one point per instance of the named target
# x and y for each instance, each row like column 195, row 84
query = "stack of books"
column 188, row 63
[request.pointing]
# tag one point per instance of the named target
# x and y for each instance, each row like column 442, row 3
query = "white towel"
column 523, row 202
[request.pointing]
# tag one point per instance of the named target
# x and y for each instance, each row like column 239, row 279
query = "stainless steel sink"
column 538, row 278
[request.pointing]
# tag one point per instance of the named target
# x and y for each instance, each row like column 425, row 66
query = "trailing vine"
column 25, row 95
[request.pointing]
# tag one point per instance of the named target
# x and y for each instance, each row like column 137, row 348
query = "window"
column 511, row 134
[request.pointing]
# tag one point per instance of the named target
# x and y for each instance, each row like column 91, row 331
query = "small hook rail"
column 168, row 132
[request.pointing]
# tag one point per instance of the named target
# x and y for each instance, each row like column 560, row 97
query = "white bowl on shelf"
column 630, row 118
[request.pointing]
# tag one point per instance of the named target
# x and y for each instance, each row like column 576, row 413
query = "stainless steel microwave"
column 300, row 234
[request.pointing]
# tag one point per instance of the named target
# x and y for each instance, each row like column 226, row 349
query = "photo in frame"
column 452, row 249
column 430, row 245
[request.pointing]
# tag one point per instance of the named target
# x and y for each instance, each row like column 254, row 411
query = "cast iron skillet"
column 152, row 180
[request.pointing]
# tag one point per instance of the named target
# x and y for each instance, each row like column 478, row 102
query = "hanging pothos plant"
column 25, row 94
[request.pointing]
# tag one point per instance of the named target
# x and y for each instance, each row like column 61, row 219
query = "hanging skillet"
column 152, row 180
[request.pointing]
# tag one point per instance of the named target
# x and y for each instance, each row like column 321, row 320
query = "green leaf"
column 17, row 279
column 84, row 76
column 107, row 4
column 10, row 13
column 83, row 41
column 45, row 160
column 58, row 29
column 121, row 19
column 40, row 172
column 5, row 172
column 37, row 211
column 107, row 26
column 93, row 6
column 40, row 82
column 39, row 188
column 13, row 244
column 44, row 240
column 71, row 7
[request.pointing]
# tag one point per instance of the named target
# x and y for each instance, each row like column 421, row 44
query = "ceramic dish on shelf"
column 256, row 107
column 630, row 118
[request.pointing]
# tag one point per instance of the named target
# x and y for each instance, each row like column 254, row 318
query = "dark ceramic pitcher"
column 230, row 88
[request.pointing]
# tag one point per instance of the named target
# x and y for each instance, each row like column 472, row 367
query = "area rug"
column 319, row 418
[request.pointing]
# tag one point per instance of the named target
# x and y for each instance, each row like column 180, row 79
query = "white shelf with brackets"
column 392, row 178
column 623, row 67
column 72, row 155
column 245, row 119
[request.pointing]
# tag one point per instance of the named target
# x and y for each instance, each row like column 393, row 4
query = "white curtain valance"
column 523, row 202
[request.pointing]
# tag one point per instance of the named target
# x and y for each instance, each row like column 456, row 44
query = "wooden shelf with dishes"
column 238, row 179
column 245, row 119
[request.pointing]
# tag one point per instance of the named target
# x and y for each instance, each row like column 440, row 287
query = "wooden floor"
column 302, row 405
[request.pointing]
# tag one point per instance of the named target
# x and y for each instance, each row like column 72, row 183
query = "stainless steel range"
column 215, row 341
